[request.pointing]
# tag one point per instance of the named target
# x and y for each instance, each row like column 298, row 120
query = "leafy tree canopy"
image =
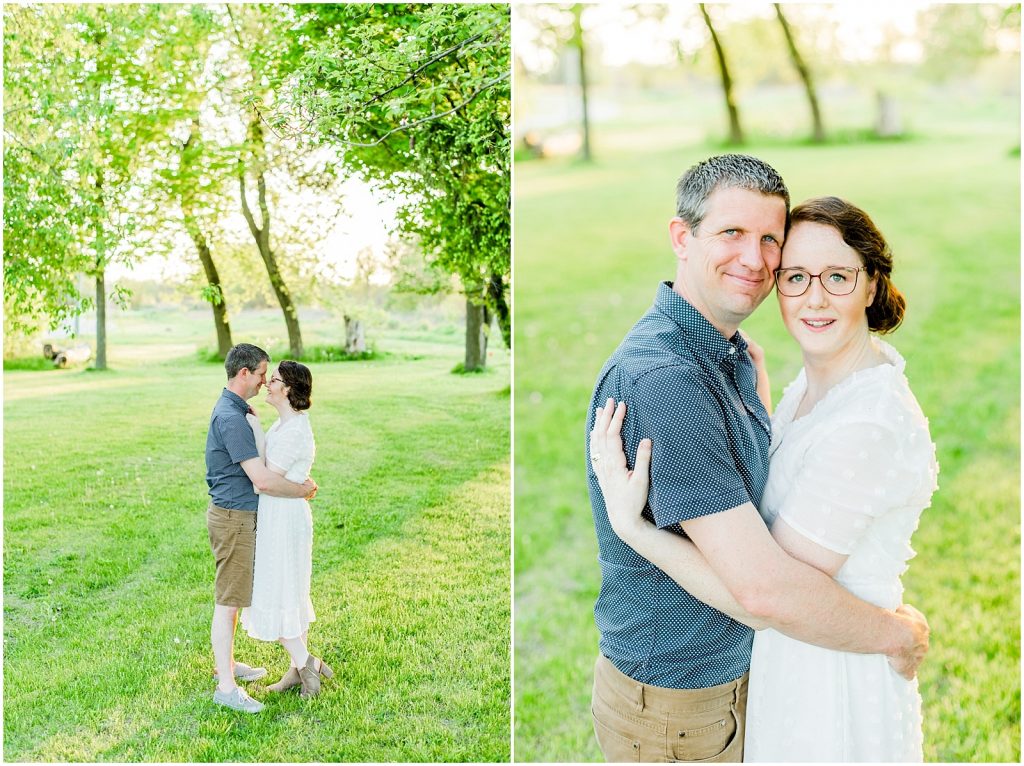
column 417, row 98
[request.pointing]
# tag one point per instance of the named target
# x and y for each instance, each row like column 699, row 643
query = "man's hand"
column 909, row 657
column 311, row 488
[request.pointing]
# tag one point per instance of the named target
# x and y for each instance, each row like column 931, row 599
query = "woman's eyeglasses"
column 840, row 280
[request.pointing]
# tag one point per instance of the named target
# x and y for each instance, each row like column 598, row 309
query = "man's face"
column 255, row 380
column 727, row 263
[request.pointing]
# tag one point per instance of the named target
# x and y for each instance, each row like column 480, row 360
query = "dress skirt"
column 281, row 607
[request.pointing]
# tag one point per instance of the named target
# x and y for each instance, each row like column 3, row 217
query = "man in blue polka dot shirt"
column 670, row 679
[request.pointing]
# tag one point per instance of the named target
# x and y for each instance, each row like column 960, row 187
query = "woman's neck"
column 824, row 372
column 285, row 411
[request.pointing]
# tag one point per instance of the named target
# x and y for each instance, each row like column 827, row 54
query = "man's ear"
column 679, row 233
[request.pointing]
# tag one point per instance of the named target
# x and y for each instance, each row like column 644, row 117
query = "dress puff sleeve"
column 851, row 476
column 292, row 451
column 261, row 440
column 257, row 432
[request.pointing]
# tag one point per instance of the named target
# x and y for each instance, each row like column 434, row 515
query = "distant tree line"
column 956, row 37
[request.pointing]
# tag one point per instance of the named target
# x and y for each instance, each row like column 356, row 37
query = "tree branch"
column 432, row 117
column 261, row 196
column 245, row 203
column 234, row 25
column 49, row 168
column 432, row 60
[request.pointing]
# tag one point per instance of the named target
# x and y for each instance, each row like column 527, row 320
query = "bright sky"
column 860, row 28
column 366, row 221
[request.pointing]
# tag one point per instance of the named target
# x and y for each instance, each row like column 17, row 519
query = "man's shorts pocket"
column 616, row 746
column 716, row 739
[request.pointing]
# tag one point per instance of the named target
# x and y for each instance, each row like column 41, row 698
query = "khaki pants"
column 639, row 722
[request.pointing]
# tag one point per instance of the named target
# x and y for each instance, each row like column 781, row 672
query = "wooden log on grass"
column 77, row 355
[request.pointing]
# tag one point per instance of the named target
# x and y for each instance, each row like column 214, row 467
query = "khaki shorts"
column 639, row 722
column 233, row 542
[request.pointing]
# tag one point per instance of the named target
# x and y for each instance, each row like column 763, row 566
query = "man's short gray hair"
column 725, row 171
column 244, row 355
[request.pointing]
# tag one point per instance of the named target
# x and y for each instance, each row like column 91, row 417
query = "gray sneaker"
column 244, row 672
column 237, row 699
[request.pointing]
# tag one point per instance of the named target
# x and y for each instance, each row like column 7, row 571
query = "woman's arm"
column 625, row 495
column 271, row 482
column 803, row 549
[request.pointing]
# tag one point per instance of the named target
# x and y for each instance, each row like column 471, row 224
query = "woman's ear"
column 872, row 290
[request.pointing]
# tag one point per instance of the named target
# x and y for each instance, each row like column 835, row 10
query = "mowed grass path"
column 108, row 574
column 591, row 246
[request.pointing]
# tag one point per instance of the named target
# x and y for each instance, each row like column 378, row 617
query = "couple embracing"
column 750, row 605
column 259, row 523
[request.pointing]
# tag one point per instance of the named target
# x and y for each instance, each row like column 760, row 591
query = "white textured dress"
column 281, row 607
column 853, row 475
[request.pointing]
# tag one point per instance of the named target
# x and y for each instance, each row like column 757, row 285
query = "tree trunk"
column 578, row 44
column 101, row 317
column 888, row 124
column 216, row 292
column 496, row 294
column 476, row 336
column 355, row 338
column 805, row 75
column 101, row 287
column 262, row 237
column 735, row 131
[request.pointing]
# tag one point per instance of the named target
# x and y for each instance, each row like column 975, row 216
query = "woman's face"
column 277, row 392
column 822, row 323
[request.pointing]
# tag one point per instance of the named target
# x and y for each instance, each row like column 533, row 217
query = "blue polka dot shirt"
column 693, row 393
column 229, row 442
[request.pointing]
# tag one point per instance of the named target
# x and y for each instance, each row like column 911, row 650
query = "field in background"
column 168, row 331
column 108, row 575
column 591, row 246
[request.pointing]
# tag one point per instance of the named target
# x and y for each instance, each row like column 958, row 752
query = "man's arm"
column 270, row 482
column 681, row 560
column 797, row 599
column 736, row 567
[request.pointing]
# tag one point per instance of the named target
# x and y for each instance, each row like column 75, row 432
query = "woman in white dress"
column 281, row 609
column 852, row 467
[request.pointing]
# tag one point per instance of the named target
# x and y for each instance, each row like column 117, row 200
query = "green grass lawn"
column 108, row 577
column 591, row 246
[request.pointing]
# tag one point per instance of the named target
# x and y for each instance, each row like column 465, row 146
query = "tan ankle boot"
column 324, row 668
column 315, row 667
column 309, row 675
column 288, row 681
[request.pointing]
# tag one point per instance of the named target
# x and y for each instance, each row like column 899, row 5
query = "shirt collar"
column 700, row 334
column 236, row 401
